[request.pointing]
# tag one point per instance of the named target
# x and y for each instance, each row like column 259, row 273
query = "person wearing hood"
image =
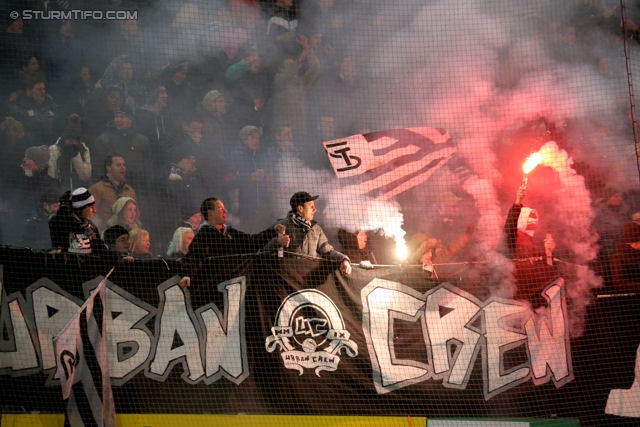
column 305, row 236
column 70, row 157
column 125, row 214
column 532, row 272
column 122, row 138
column 71, row 227
column 36, row 228
column 111, row 187
column 150, row 119
column 184, row 185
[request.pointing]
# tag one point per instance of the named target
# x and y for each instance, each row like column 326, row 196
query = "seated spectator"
column 125, row 214
column 140, row 243
column 117, row 239
column 247, row 168
column 180, row 243
column 110, row 187
column 122, row 138
column 36, row 231
column 354, row 245
column 625, row 262
column 36, row 111
column 70, row 157
column 71, row 228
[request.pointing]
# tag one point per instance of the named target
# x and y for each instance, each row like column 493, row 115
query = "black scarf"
column 306, row 225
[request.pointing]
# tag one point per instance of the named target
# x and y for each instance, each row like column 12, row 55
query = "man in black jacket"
column 214, row 238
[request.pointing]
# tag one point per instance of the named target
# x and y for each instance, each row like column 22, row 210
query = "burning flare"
column 533, row 161
column 401, row 249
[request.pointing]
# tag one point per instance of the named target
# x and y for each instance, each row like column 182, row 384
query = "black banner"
column 290, row 336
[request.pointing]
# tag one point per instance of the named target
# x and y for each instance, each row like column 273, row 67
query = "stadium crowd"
column 131, row 135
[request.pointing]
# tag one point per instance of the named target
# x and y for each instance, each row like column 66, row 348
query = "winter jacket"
column 75, row 235
column 72, row 170
column 105, row 193
column 134, row 149
column 310, row 242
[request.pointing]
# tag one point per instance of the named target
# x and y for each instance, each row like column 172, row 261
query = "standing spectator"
column 70, row 157
column 124, row 213
column 179, row 246
column 304, row 236
column 625, row 262
column 36, row 179
column 150, row 119
column 101, row 108
column 71, row 227
column 215, row 130
column 36, row 230
column 247, row 167
column 122, row 138
column 214, row 239
column 110, row 187
column 12, row 145
column 183, row 184
column 288, row 99
column 36, row 111
column 611, row 214
column 180, row 96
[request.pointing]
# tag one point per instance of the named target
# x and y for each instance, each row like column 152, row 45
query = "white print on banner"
column 305, row 321
column 456, row 328
column 209, row 343
column 626, row 403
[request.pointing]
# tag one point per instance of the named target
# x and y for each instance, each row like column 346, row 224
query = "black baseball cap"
column 300, row 198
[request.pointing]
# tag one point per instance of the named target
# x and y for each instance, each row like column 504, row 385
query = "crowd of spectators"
column 151, row 130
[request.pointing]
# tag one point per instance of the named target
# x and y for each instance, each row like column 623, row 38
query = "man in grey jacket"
column 306, row 237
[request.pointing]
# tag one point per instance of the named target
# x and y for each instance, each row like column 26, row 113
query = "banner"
column 290, row 336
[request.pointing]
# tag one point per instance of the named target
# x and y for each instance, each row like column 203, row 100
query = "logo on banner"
column 340, row 150
column 69, row 362
column 309, row 331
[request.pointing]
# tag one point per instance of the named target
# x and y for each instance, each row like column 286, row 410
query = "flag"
column 73, row 367
column 386, row 163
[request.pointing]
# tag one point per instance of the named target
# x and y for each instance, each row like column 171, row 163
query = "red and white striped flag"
column 386, row 163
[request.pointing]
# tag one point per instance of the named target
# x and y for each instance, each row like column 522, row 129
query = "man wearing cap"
column 71, row 227
column 306, row 237
column 110, row 187
column 214, row 238
column 184, row 186
column 122, row 138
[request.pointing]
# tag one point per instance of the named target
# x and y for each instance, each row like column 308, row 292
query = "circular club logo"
column 309, row 331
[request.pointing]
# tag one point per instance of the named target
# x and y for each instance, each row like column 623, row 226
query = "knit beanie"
column 40, row 155
column 112, row 233
column 247, row 130
column 211, row 96
column 81, row 198
column 119, row 205
column 126, row 110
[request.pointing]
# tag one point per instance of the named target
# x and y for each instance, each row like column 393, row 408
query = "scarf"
column 118, row 189
column 306, row 225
